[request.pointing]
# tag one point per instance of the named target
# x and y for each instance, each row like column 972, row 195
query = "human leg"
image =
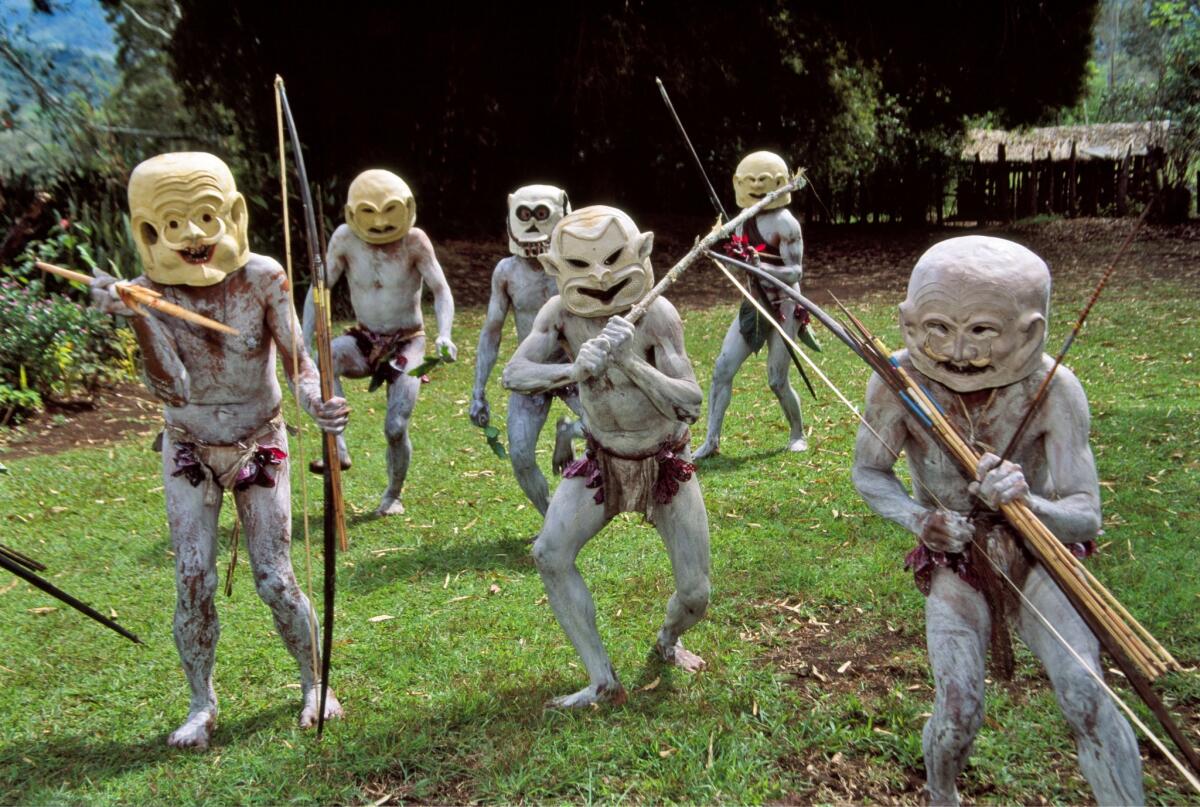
column 957, row 625
column 193, row 525
column 1104, row 741
column 402, row 398
column 571, row 520
column 779, row 365
column 266, row 515
column 683, row 525
column 734, row 352
column 525, row 418
column 348, row 361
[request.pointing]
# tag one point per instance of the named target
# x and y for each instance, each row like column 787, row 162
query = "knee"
column 273, row 586
column 396, row 429
column 723, row 372
column 524, row 461
column 694, row 597
column 778, row 382
column 962, row 708
column 197, row 589
column 548, row 558
column 1081, row 699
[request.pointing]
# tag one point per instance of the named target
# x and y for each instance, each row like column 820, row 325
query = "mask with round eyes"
column 757, row 175
column 189, row 222
column 975, row 316
column 532, row 213
column 380, row 208
column 600, row 261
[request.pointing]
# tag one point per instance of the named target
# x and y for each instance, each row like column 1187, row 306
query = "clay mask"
column 379, row 207
column 532, row 213
column 975, row 316
column 188, row 220
column 600, row 260
column 757, row 175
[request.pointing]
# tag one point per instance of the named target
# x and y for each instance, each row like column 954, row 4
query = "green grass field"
column 446, row 648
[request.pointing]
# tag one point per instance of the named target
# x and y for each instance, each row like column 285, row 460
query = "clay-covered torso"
column 528, row 289
column 385, row 284
column 233, row 386
column 616, row 411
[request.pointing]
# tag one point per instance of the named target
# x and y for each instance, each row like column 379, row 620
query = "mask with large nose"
column 189, row 222
column 976, row 311
column 600, row 261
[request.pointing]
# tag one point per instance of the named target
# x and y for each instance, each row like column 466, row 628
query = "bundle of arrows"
column 1139, row 656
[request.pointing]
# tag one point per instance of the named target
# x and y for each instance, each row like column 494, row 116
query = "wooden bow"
column 334, row 505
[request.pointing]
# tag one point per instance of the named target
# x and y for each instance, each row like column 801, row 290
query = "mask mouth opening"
column 966, row 368
column 606, row 295
column 381, row 230
column 197, row 255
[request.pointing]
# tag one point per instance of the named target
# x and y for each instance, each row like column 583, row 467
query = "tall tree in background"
column 1154, row 49
column 467, row 106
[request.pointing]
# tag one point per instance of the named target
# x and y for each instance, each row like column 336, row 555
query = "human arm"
column 443, row 303
column 790, row 249
column 669, row 381
column 1072, row 509
column 527, row 371
column 298, row 367
column 335, row 267
column 874, row 475
column 489, row 346
column 165, row 373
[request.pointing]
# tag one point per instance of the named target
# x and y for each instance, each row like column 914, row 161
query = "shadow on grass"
column 723, row 462
column 448, row 556
column 30, row 772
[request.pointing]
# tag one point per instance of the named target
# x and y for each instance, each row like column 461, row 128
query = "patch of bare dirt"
column 842, row 651
column 113, row 414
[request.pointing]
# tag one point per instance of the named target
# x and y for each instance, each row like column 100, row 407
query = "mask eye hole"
column 149, row 234
column 578, row 264
column 983, row 330
column 613, row 258
column 390, row 208
column 173, row 224
column 206, row 218
column 541, row 212
column 524, row 213
column 936, row 328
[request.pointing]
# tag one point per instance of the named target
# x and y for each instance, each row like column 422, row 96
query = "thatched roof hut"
column 1098, row 141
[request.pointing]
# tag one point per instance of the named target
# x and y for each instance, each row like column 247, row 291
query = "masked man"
column 775, row 234
column 386, row 260
column 221, row 401
column 519, row 284
column 638, row 394
column 974, row 327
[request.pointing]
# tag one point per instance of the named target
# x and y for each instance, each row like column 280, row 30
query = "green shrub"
column 54, row 348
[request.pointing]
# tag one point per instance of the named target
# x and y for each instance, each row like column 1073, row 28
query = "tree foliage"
column 1153, row 53
column 467, row 106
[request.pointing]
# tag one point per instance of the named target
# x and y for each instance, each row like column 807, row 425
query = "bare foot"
column 680, row 657
column 612, row 693
column 389, row 505
column 798, row 444
column 564, row 453
column 318, row 466
column 312, row 702
column 196, row 730
column 706, row 449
